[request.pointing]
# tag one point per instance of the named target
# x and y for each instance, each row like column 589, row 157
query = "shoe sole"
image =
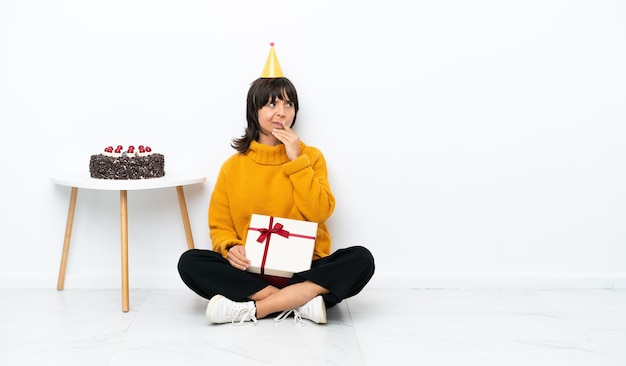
column 322, row 310
column 209, row 309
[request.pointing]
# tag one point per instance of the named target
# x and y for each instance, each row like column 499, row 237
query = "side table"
column 84, row 181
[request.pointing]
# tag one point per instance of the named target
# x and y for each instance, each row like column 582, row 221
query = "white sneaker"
column 223, row 310
column 314, row 310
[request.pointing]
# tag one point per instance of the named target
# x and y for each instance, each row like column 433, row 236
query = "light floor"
column 377, row 327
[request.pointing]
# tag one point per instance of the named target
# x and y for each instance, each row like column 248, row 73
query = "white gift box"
column 278, row 246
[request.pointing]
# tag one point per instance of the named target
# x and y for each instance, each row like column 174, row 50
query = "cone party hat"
column 272, row 67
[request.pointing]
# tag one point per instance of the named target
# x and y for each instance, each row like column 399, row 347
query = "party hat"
column 272, row 67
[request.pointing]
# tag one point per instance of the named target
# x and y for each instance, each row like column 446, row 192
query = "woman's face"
column 275, row 115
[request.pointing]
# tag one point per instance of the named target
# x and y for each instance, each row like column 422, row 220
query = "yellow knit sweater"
column 264, row 181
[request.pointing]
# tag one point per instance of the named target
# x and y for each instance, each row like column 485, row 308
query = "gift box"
column 278, row 246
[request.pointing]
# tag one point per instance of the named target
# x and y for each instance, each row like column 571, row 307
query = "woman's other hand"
column 237, row 257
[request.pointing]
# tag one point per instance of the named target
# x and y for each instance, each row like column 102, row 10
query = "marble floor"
column 377, row 327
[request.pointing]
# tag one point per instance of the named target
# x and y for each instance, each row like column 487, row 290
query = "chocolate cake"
column 129, row 164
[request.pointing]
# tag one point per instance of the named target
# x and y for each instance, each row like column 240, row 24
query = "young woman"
column 273, row 173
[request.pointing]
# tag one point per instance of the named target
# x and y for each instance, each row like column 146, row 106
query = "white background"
column 469, row 143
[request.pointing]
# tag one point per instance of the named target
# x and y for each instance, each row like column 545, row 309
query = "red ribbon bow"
column 277, row 229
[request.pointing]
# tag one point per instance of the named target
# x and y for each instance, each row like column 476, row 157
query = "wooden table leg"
column 124, row 232
column 68, row 236
column 183, row 212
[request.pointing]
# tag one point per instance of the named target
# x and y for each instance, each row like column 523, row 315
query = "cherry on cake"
column 132, row 163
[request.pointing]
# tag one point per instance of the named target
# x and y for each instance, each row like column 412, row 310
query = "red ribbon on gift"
column 265, row 237
column 267, row 233
column 277, row 229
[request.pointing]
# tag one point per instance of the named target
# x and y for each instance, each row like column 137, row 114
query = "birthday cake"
column 140, row 163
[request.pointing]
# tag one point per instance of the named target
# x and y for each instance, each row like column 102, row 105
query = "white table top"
column 85, row 181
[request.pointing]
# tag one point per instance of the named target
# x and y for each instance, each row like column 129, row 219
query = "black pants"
column 344, row 273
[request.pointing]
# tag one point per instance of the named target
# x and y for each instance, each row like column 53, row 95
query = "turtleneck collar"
column 269, row 155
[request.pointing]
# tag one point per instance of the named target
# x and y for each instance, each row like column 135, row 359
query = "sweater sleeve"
column 312, row 194
column 221, row 226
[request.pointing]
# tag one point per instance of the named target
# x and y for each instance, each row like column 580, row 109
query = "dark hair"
column 262, row 91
